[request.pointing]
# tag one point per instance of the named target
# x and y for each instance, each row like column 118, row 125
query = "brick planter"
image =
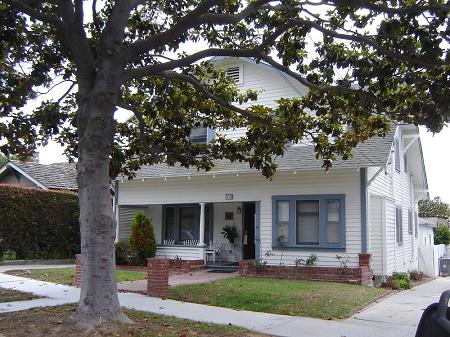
column 358, row 275
column 157, row 277
column 186, row 266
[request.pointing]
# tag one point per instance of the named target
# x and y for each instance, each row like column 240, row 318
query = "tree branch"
column 368, row 41
column 171, row 75
column 193, row 19
column 431, row 5
column 33, row 13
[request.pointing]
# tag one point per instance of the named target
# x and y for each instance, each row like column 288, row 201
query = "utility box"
column 444, row 265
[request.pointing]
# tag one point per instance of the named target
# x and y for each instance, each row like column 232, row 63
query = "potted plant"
column 230, row 233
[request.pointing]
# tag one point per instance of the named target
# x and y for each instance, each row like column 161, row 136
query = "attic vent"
column 235, row 72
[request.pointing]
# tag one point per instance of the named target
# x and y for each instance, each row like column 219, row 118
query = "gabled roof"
column 52, row 176
column 373, row 152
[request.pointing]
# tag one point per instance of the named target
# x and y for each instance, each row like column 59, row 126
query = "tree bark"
column 99, row 300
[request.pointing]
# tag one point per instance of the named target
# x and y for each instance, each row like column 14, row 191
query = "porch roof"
column 373, row 152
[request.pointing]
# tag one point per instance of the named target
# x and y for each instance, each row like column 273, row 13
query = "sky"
column 436, row 151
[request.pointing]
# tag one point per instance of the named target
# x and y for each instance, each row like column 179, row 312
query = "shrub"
column 142, row 238
column 399, row 280
column 415, row 275
column 441, row 235
column 125, row 254
column 39, row 224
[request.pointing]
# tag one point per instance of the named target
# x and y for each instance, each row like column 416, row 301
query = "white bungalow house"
column 367, row 204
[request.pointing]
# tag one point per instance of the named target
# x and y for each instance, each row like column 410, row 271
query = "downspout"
column 363, row 207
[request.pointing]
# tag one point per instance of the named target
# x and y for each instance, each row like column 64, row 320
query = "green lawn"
column 296, row 298
column 66, row 275
column 7, row 295
column 56, row 321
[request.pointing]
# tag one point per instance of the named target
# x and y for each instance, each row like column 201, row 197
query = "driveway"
column 399, row 314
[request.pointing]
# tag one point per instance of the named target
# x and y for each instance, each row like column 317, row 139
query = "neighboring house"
column 437, row 221
column 426, row 232
column 367, row 204
column 58, row 176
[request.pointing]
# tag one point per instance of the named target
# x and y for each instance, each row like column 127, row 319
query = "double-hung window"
column 180, row 222
column 309, row 221
column 399, row 224
column 410, row 221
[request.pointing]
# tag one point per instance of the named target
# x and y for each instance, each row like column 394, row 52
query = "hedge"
column 39, row 224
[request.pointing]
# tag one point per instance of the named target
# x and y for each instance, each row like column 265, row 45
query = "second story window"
column 199, row 135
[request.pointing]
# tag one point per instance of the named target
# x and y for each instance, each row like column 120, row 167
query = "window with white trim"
column 410, row 221
column 416, row 225
column 309, row 221
column 399, row 224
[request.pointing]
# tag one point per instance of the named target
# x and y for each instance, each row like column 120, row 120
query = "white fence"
column 429, row 259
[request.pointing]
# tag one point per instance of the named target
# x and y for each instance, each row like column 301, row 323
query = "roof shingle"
column 373, row 152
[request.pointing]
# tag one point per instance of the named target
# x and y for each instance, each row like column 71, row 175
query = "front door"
column 248, row 230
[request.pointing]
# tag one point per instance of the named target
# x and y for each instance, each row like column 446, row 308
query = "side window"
column 416, row 225
column 410, row 221
column 397, row 154
column 405, row 163
column 398, row 224
column 282, row 220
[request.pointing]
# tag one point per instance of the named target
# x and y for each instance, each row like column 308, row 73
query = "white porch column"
column 202, row 224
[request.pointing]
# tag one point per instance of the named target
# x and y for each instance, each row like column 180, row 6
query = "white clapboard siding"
column 376, row 222
column 254, row 187
column 270, row 83
column 398, row 189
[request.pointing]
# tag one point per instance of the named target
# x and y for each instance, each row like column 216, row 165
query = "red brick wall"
column 132, row 268
column 358, row 275
column 77, row 280
column 364, row 259
column 157, row 277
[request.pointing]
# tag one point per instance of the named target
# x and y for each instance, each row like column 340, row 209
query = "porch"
column 186, row 231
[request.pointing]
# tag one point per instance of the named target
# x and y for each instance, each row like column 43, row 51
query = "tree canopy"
column 434, row 208
column 363, row 62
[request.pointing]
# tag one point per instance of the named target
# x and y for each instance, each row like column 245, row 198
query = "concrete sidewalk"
column 396, row 316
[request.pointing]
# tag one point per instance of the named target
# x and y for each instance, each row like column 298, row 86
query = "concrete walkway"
column 395, row 316
column 398, row 315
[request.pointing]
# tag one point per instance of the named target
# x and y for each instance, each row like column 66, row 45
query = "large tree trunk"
column 99, row 300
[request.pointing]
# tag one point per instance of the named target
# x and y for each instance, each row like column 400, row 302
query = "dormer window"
column 201, row 135
column 236, row 73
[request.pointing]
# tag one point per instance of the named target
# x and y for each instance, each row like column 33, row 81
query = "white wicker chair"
column 214, row 250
